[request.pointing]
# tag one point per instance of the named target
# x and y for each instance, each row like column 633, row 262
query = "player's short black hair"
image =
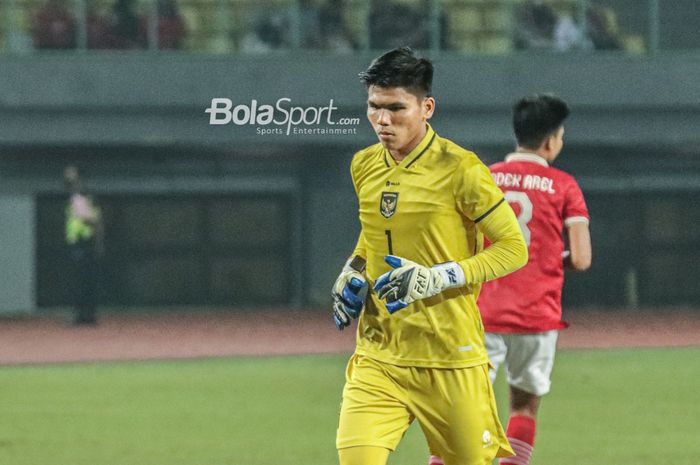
column 537, row 117
column 400, row 67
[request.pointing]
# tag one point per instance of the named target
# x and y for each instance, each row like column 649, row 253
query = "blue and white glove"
column 409, row 281
column 349, row 293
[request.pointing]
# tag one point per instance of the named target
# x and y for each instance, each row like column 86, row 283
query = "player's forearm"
column 500, row 259
column 507, row 251
column 579, row 257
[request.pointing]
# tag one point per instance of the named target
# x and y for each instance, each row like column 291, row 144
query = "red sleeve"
column 574, row 204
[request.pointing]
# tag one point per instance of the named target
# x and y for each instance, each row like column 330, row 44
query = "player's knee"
column 523, row 403
column 363, row 455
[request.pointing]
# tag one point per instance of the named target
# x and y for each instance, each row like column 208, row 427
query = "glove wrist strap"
column 452, row 274
column 355, row 263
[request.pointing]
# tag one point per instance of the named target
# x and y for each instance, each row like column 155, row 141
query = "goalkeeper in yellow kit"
column 425, row 205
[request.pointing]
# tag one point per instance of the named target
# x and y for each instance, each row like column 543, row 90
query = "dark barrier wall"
column 137, row 125
column 159, row 99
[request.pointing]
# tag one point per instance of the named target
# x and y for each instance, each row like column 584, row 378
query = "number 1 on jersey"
column 525, row 214
column 388, row 239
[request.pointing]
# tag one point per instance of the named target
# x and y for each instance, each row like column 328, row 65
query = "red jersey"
column 545, row 200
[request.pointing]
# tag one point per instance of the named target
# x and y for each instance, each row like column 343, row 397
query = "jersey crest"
column 387, row 205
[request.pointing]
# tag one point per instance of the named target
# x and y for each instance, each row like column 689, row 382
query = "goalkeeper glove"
column 409, row 281
column 349, row 293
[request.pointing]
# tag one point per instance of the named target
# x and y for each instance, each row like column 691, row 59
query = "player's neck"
column 538, row 153
column 403, row 152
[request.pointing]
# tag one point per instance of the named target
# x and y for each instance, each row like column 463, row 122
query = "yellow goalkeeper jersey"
column 432, row 207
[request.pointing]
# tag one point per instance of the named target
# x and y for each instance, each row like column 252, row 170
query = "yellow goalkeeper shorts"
column 455, row 408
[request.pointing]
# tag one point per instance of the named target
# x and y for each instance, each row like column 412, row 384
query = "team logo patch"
column 486, row 439
column 387, row 206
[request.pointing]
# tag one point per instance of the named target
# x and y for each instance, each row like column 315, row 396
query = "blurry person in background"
column 98, row 29
column 267, row 35
column 84, row 237
column 124, row 25
column 281, row 28
column 171, row 26
column 54, row 26
column 603, row 28
column 335, row 34
column 569, row 35
column 393, row 25
column 540, row 27
column 535, row 26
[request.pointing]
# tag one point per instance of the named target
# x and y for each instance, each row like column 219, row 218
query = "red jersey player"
column 522, row 311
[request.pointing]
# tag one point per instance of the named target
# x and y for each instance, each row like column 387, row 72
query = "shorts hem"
column 507, row 329
column 385, row 445
column 529, row 390
column 503, row 452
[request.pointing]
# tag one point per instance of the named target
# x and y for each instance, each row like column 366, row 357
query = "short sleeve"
column 575, row 209
column 476, row 193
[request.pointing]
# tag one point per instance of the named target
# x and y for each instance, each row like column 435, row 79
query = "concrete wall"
column 17, row 284
column 160, row 99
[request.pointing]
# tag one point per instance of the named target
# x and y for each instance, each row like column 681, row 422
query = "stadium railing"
column 348, row 26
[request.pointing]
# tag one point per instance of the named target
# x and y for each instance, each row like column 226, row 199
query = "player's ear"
column 548, row 144
column 428, row 107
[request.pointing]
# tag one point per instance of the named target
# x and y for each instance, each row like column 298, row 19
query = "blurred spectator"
column 278, row 30
column 535, row 26
column 125, row 26
column 603, row 28
column 267, row 35
column 394, row 25
column 54, row 26
column 171, row 26
column 98, row 30
column 319, row 27
column 84, row 236
column 568, row 35
column 335, row 35
column 538, row 26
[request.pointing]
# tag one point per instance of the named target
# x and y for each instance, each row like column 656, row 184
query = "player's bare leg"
column 523, row 403
column 363, row 455
column 521, row 425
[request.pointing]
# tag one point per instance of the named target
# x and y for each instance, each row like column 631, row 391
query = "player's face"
column 398, row 118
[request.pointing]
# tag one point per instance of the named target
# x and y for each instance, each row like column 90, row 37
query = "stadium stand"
column 224, row 26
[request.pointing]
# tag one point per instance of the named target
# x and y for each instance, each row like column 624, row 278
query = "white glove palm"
column 409, row 281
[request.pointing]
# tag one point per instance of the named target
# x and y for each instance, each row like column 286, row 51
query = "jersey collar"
column 416, row 153
column 530, row 157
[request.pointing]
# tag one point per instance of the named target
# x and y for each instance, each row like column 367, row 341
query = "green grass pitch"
column 607, row 407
